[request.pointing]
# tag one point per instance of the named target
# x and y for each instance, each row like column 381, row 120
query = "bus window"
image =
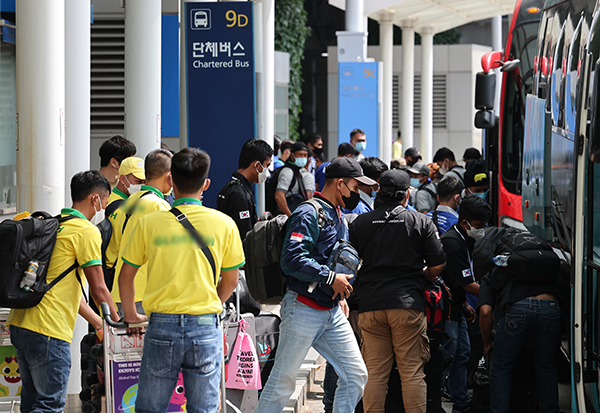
column 571, row 79
column 557, row 80
column 542, row 58
column 518, row 84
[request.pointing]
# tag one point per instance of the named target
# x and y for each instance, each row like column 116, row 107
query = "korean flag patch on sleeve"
column 244, row 214
column 466, row 273
column 296, row 236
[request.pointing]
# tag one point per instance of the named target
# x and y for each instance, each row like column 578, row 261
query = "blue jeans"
column 330, row 334
column 176, row 342
column 44, row 364
column 458, row 345
column 540, row 320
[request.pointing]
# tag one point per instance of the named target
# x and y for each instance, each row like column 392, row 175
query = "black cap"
column 419, row 168
column 394, row 180
column 347, row 168
column 299, row 146
column 471, row 153
column 477, row 173
column 413, row 153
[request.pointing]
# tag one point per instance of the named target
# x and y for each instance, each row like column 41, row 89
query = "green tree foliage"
column 290, row 36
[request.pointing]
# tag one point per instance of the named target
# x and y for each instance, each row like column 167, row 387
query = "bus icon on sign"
column 200, row 19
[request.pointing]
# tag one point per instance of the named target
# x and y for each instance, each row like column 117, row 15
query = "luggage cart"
column 122, row 360
column 10, row 380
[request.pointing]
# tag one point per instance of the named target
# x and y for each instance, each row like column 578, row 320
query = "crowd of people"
column 412, row 223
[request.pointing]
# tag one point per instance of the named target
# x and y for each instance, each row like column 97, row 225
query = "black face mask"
column 318, row 151
column 351, row 202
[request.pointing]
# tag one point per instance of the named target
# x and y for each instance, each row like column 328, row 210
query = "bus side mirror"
column 485, row 119
column 485, row 91
column 594, row 133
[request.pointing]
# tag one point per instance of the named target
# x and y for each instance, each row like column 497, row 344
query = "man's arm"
column 127, row 292
column 486, row 323
column 472, row 288
column 89, row 315
column 282, row 202
column 431, row 273
column 98, row 289
column 226, row 287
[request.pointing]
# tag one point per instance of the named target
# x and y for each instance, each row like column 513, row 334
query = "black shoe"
column 461, row 409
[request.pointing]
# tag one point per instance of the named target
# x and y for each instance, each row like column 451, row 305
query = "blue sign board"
column 219, row 63
column 358, row 103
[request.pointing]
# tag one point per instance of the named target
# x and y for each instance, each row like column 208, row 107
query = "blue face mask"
column 360, row 146
column 373, row 194
column 415, row 183
column 481, row 195
column 301, row 162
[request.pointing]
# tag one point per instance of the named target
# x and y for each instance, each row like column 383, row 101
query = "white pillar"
column 266, row 122
column 497, row 46
column 408, row 87
column 40, row 105
column 77, row 90
column 77, row 128
column 355, row 16
column 427, row 94
column 386, row 36
column 142, row 74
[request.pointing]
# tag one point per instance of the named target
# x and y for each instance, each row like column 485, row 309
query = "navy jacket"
column 306, row 249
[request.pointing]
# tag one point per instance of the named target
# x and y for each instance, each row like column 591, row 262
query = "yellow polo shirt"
column 77, row 239
column 112, row 251
column 146, row 205
column 180, row 278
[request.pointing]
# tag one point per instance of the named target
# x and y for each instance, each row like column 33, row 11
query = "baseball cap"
column 133, row 165
column 394, row 180
column 471, row 153
column 419, row 168
column 299, row 146
column 347, row 168
column 413, row 153
column 477, row 173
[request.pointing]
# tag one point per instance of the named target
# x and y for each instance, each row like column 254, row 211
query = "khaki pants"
column 401, row 334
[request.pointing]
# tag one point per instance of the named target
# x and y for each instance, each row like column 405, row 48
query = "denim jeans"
column 44, row 364
column 458, row 345
column 540, row 320
column 330, row 334
column 181, row 342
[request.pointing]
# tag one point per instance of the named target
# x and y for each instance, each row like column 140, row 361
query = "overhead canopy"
column 432, row 15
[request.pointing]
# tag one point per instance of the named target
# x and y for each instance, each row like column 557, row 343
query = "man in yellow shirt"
column 184, row 295
column 41, row 334
column 131, row 178
column 149, row 199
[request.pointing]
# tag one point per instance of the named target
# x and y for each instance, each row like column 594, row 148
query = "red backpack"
column 437, row 310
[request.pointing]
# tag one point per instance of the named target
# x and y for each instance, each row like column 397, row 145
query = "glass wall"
column 8, row 128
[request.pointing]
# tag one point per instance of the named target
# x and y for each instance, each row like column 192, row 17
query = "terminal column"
column 143, row 74
column 427, row 94
column 40, row 105
column 386, row 35
column 408, row 87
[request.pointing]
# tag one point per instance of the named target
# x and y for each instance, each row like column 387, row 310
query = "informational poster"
column 125, row 388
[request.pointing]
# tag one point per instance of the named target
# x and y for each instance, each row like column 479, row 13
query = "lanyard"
column 468, row 253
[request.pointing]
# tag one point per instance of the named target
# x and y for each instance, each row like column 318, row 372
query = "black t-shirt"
column 236, row 199
column 393, row 258
column 459, row 268
column 513, row 291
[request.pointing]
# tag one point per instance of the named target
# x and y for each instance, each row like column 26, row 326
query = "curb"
column 304, row 380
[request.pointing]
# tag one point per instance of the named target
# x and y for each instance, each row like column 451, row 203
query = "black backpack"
column 106, row 232
column 271, row 185
column 262, row 247
column 23, row 241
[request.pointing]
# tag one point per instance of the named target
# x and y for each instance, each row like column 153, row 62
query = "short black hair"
column 85, row 183
column 373, row 167
column 254, row 150
column 312, row 138
column 449, row 186
column 157, row 163
column 346, row 149
column 286, row 144
column 473, row 208
column 444, row 153
column 395, row 164
column 116, row 147
column 276, row 143
column 189, row 169
column 356, row 132
column 385, row 196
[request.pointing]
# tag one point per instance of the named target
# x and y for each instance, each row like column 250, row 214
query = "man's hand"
column 341, row 286
column 470, row 314
column 345, row 308
column 135, row 318
column 487, row 347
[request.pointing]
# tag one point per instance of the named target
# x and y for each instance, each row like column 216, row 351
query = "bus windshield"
column 518, row 84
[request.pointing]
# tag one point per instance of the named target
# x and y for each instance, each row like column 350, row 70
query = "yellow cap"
column 133, row 165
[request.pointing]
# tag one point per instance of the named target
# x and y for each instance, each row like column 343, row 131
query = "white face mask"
column 132, row 189
column 99, row 215
column 263, row 175
column 475, row 233
column 443, row 170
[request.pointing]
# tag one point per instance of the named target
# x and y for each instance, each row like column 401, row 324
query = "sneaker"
column 461, row 409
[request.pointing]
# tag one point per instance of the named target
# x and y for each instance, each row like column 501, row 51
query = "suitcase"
column 267, row 339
